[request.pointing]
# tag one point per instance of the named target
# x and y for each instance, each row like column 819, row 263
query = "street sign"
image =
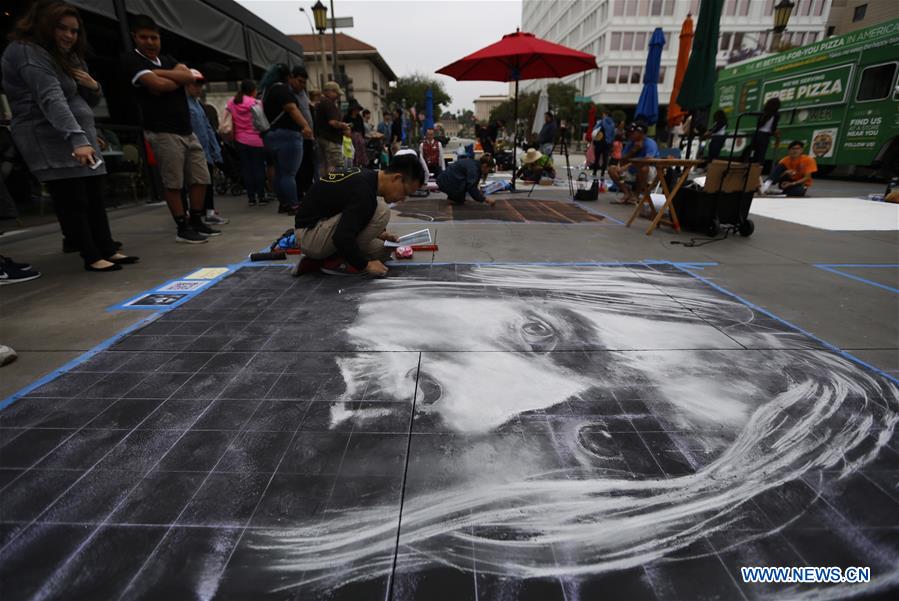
column 582, row 100
column 340, row 22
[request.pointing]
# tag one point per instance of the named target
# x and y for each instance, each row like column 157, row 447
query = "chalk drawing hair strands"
column 828, row 414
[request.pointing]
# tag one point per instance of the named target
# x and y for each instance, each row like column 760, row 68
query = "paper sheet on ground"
column 834, row 214
column 419, row 237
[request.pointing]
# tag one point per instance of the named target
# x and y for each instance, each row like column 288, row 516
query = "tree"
column 410, row 91
column 561, row 101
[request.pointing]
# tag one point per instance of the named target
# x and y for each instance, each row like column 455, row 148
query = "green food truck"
column 840, row 96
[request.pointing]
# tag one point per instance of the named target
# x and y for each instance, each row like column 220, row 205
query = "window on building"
column 627, row 42
column 630, row 9
column 738, row 40
column 616, row 40
column 617, row 8
column 636, row 74
column 642, row 7
column 818, row 8
column 655, row 8
column 769, row 8
column 763, row 40
column 624, row 74
column 859, row 13
column 830, row 31
column 694, row 7
column 743, row 8
column 611, row 74
column 876, row 82
column 725, row 41
column 661, row 75
column 669, row 8
column 640, row 41
column 730, row 8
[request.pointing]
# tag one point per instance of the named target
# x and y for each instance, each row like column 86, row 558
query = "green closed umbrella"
column 698, row 88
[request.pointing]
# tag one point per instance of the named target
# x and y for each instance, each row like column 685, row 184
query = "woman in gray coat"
column 51, row 94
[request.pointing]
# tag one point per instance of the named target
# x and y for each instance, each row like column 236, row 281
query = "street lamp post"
column 320, row 12
column 782, row 12
column 337, row 78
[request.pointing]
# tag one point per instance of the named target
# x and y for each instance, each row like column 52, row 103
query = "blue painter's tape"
column 593, row 211
column 123, row 306
column 836, row 269
column 755, row 307
column 78, row 360
column 874, row 265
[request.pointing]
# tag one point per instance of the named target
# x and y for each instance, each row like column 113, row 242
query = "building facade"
column 849, row 15
column 486, row 103
column 618, row 31
column 369, row 74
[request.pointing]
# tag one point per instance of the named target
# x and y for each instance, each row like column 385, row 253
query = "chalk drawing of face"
column 502, row 345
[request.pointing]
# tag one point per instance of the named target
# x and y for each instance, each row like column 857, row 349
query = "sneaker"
column 765, row 185
column 7, row 355
column 189, row 236
column 215, row 219
column 338, row 266
column 7, row 262
column 252, row 203
column 10, row 275
column 204, row 230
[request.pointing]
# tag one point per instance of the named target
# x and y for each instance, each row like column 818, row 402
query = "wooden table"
column 662, row 166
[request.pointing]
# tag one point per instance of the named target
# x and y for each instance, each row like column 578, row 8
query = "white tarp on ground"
column 835, row 214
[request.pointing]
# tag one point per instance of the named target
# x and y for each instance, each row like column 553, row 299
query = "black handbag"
column 591, row 193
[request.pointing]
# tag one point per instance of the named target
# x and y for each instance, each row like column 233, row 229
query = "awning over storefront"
column 220, row 25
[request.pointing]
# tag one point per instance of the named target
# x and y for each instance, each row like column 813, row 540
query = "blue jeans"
column 287, row 146
column 252, row 163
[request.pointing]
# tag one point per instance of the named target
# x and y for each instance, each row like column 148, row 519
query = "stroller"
column 229, row 178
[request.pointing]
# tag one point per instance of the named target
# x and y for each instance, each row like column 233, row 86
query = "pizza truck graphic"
column 840, row 96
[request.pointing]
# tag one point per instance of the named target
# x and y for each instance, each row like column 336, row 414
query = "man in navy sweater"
column 463, row 176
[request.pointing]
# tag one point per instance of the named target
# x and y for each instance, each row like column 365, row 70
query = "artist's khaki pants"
column 317, row 242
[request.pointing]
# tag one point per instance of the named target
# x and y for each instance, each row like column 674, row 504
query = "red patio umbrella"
column 675, row 113
column 515, row 57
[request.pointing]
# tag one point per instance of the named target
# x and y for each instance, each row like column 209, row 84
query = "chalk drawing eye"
column 537, row 330
column 430, row 390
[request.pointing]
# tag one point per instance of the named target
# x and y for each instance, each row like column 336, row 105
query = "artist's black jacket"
column 353, row 194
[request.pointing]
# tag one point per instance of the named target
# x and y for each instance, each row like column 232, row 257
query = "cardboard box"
column 734, row 177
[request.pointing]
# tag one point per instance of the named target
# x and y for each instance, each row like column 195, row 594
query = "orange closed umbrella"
column 675, row 113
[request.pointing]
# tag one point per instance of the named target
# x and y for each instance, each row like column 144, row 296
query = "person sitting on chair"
column 463, row 176
column 792, row 174
column 630, row 179
column 535, row 166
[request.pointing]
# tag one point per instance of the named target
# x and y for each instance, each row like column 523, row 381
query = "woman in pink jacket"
column 249, row 143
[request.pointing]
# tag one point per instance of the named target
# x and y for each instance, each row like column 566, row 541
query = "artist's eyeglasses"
column 64, row 29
